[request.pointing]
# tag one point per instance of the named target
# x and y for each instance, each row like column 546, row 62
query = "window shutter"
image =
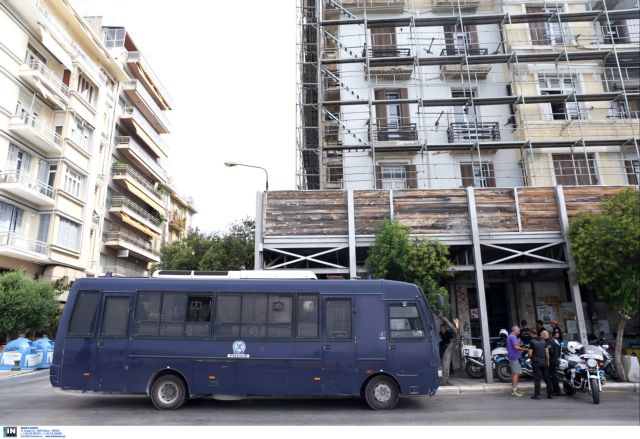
column 538, row 34
column 466, row 172
column 412, row 177
column 381, row 109
column 66, row 77
column 632, row 176
column 472, row 31
column 12, row 158
column 490, row 178
column 378, row 177
column 405, row 116
column 448, row 38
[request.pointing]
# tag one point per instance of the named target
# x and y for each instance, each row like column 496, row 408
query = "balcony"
column 46, row 82
column 452, row 5
column 37, row 133
column 141, row 70
column 14, row 245
column 27, row 188
column 134, row 152
column 137, row 124
column 405, row 133
column 474, row 71
column 128, row 244
column 143, row 101
column 177, row 222
column 139, row 186
column 470, row 131
column 359, row 5
column 135, row 215
column 122, row 271
column 390, row 63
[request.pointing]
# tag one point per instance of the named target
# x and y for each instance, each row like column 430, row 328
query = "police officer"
column 553, row 346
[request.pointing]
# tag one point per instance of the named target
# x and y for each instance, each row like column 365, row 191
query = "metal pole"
column 573, row 283
column 257, row 259
column 482, row 301
column 352, row 234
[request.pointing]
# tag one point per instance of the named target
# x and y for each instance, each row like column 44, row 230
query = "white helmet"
column 573, row 347
column 503, row 333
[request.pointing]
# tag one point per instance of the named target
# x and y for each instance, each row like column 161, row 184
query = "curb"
column 506, row 388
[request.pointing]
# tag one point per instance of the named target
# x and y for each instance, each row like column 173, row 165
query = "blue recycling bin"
column 45, row 346
column 20, row 353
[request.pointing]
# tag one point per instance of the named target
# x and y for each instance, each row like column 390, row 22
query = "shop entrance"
column 497, row 311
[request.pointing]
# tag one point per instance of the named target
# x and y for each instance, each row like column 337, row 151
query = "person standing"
column 445, row 338
column 514, row 354
column 553, row 345
column 539, row 354
column 525, row 332
column 540, row 327
column 556, row 332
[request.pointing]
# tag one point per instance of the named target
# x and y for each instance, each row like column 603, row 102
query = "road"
column 28, row 398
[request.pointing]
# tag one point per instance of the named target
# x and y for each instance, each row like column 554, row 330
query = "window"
column 633, row 171
column 392, row 118
column 334, row 173
column 404, row 322
column 33, row 57
column 69, row 234
column 86, row 90
column 565, row 108
column 575, row 169
column 147, row 315
column 172, row 315
column 83, row 317
column 460, row 39
column 81, row 133
column 114, row 37
column 73, row 182
column 477, row 175
column 116, row 317
column 383, row 41
column 254, row 316
column 338, row 319
column 550, row 31
column 307, row 317
column 10, row 218
column 394, row 177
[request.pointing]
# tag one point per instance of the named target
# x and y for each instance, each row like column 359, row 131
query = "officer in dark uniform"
column 553, row 345
column 525, row 333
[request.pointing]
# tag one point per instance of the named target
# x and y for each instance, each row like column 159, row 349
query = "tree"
column 396, row 255
column 606, row 248
column 232, row 250
column 26, row 305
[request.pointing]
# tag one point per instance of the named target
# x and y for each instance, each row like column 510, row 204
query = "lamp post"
column 232, row 164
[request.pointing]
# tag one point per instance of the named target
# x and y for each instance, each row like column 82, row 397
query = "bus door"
column 408, row 353
column 338, row 348
column 111, row 343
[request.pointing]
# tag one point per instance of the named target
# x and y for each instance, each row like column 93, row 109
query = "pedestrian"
column 556, row 332
column 445, row 338
column 514, row 354
column 525, row 332
column 553, row 345
column 540, row 327
column 539, row 354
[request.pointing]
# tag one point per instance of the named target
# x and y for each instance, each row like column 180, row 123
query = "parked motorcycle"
column 503, row 367
column 609, row 362
column 580, row 371
column 473, row 357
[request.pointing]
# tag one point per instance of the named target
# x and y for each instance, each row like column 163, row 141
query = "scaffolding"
column 495, row 84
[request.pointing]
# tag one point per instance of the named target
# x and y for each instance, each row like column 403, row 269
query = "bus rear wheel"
column 168, row 392
column 381, row 393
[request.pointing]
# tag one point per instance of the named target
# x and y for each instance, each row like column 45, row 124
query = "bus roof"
column 242, row 274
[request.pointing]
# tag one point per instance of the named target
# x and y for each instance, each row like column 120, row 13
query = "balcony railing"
column 389, row 52
column 148, row 129
column 461, row 51
column 53, row 81
column 460, row 131
column 177, row 221
column 122, row 236
column 28, row 181
column 120, row 270
column 144, row 156
column 406, row 132
column 153, row 107
column 15, row 240
column 38, row 126
column 124, row 169
column 123, row 202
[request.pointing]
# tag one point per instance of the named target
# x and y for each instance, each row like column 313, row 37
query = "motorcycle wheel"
column 474, row 371
column 503, row 370
column 568, row 390
column 595, row 390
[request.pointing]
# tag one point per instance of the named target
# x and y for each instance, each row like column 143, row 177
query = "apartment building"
column 180, row 216
column 58, row 89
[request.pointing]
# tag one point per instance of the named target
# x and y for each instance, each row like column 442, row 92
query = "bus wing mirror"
column 440, row 300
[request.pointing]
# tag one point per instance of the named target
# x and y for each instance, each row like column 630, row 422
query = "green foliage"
column 232, row 250
column 26, row 304
column 606, row 247
column 396, row 255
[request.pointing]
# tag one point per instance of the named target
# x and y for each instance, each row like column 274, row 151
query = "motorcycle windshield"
column 594, row 352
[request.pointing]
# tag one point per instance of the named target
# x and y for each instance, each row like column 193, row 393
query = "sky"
column 230, row 69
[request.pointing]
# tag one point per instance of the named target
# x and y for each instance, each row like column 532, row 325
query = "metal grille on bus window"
column 227, row 323
column 405, row 322
column 307, row 317
column 254, row 316
column 198, row 316
column 116, row 317
column 173, row 316
column 84, row 315
column 147, row 316
column 280, row 316
column 338, row 319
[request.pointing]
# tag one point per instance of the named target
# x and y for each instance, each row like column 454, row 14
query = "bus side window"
column 198, row 316
column 307, row 317
column 83, row 318
column 338, row 319
column 254, row 316
column 147, row 316
column 116, row 317
column 405, row 322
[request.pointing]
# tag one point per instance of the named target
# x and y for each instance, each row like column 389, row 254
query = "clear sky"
column 230, row 68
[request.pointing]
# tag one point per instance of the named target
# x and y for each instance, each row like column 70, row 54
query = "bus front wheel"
column 168, row 392
column 381, row 393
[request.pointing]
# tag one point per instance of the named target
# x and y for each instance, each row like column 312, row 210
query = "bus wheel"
column 381, row 393
column 168, row 392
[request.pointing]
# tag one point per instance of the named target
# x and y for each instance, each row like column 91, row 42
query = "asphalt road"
column 29, row 399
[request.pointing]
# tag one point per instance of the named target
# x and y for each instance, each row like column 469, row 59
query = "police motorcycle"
column 609, row 363
column 580, row 371
column 473, row 357
column 503, row 367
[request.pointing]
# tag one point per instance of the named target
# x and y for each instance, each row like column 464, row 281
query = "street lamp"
column 232, row 164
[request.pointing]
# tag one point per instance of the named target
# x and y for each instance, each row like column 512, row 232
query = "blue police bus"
column 173, row 339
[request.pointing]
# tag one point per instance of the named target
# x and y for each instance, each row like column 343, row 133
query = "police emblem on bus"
column 238, row 350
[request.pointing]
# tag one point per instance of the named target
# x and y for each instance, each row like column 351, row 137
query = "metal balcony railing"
column 124, row 169
column 27, row 181
column 38, row 126
column 49, row 76
column 406, row 132
column 122, row 236
column 124, row 202
column 121, row 270
column 388, row 52
column 15, row 240
column 469, row 51
column 459, row 131
column 144, row 156
column 151, row 131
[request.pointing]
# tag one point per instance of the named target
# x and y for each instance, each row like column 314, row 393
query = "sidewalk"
column 459, row 385
column 15, row 373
